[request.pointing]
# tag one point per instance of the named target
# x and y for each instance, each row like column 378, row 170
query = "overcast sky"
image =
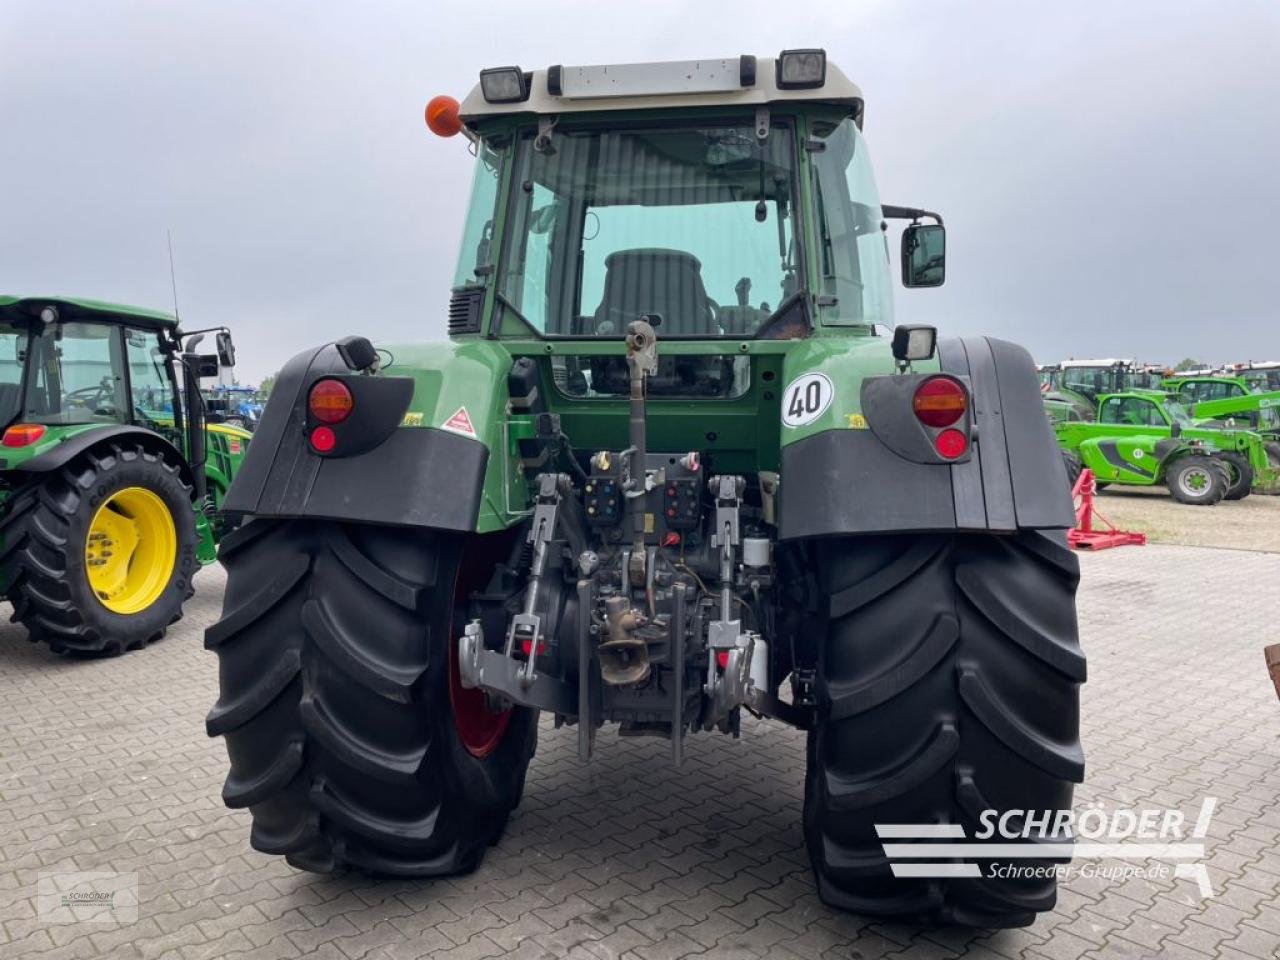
column 1109, row 172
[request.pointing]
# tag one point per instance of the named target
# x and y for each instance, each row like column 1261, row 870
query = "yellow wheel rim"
column 131, row 550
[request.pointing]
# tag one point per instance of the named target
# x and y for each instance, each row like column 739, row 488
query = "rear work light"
column 939, row 402
column 23, row 434
column 801, row 69
column 330, row 401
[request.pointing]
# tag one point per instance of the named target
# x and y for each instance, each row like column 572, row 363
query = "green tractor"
column 1261, row 377
column 111, row 483
column 1141, row 440
column 1070, row 390
column 663, row 468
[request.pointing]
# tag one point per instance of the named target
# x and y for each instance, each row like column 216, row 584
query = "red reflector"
column 330, row 401
column 526, row 645
column 722, row 658
column 323, row 439
column 951, row 444
column 23, row 434
column 939, row 402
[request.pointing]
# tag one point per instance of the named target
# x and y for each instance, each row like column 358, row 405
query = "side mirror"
column 924, row 255
column 226, row 349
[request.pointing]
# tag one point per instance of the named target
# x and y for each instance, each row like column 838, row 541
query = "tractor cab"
column 1139, row 410
column 80, row 363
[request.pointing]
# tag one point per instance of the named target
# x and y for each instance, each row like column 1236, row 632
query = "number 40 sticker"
column 806, row 399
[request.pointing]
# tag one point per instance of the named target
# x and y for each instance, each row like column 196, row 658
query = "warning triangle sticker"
column 460, row 422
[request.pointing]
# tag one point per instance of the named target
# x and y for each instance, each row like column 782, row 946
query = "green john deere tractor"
column 1142, row 440
column 111, row 483
column 663, row 467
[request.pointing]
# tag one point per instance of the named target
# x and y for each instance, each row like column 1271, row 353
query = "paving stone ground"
column 105, row 765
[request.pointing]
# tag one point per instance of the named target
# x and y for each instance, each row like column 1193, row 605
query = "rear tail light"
column 940, row 402
column 323, row 440
column 23, row 434
column 951, row 444
column 330, row 401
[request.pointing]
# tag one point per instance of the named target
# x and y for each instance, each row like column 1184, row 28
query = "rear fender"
column 63, row 453
column 856, row 476
column 416, row 451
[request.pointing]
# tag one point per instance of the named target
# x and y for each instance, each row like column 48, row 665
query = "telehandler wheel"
column 948, row 685
column 350, row 739
column 99, row 555
column 1239, row 474
column 1197, row 480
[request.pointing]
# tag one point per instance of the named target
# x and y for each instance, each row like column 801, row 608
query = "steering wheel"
column 100, row 398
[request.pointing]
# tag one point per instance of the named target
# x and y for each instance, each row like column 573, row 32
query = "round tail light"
column 951, row 444
column 323, row 440
column 939, row 402
column 330, row 401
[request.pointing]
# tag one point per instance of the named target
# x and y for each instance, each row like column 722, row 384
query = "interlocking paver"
column 104, row 764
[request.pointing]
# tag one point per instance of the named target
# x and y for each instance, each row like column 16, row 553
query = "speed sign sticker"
column 806, row 399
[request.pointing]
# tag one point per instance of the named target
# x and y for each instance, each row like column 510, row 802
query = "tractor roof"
column 1097, row 363
column 726, row 81
column 75, row 308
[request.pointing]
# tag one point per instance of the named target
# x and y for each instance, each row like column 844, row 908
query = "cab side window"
column 151, row 394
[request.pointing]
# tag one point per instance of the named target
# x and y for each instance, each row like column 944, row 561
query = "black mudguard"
column 63, row 453
column 417, row 476
column 850, row 481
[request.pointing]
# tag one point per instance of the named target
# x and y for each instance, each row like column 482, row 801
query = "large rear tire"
column 948, row 684
column 1074, row 467
column 99, row 556
column 338, row 703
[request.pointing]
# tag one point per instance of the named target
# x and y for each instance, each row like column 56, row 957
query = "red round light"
column 330, row 401
column 323, row 440
column 939, row 402
column 442, row 116
column 951, row 444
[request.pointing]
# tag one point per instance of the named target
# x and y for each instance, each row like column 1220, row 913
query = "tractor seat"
column 654, row 280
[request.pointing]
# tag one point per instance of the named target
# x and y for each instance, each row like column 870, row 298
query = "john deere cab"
column 673, row 463
column 110, row 481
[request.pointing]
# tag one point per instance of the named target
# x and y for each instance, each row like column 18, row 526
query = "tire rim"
column 1195, row 482
column 479, row 729
column 131, row 550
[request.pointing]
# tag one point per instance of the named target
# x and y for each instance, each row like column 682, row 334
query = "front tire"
column 335, row 700
column 99, row 556
column 1197, row 480
column 948, row 684
column 1239, row 474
